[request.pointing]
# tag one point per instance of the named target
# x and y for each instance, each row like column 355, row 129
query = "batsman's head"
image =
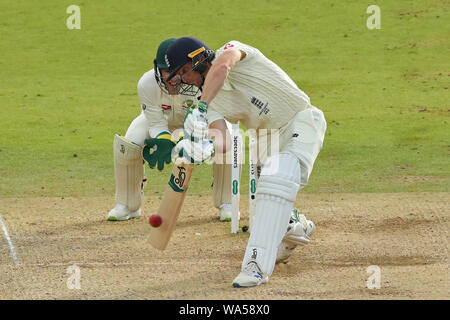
column 161, row 68
column 188, row 60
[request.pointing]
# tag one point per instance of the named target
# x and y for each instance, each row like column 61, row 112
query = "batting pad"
column 222, row 184
column 129, row 173
column 275, row 196
column 222, row 176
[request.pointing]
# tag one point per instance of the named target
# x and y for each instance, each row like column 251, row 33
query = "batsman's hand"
column 197, row 152
column 158, row 151
column 196, row 123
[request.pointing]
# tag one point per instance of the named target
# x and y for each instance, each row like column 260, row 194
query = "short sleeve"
column 250, row 51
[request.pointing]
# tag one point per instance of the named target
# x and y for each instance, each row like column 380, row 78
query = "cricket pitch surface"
column 402, row 235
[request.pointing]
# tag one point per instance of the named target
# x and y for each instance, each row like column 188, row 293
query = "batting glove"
column 196, row 123
column 197, row 152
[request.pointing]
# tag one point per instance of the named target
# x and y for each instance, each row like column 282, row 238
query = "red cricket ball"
column 155, row 220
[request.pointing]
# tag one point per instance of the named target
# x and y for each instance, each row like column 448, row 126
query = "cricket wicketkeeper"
column 150, row 136
column 239, row 83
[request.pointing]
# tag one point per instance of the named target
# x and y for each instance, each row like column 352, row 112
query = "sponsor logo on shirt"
column 260, row 105
column 166, row 107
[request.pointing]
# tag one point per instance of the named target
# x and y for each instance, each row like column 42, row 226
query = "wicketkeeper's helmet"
column 160, row 62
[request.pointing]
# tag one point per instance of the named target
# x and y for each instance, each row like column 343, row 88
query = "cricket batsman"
column 150, row 137
column 239, row 83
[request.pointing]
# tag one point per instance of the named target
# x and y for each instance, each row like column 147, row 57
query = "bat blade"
column 171, row 205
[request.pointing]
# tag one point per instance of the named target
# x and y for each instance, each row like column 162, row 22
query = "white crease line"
column 107, row 236
column 115, row 264
column 10, row 243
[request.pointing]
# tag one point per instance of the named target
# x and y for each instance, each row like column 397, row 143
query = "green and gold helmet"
column 160, row 62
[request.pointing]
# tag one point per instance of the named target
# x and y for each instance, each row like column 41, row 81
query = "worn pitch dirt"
column 404, row 234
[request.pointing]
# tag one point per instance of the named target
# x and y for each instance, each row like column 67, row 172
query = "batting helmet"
column 187, row 49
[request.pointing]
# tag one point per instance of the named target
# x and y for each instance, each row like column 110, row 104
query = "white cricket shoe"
column 250, row 276
column 121, row 213
column 298, row 232
column 225, row 212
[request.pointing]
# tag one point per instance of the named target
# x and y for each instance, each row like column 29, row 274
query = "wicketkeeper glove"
column 196, row 123
column 158, row 151
column 197, row 152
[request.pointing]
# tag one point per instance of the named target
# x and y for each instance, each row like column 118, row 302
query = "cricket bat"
column 171, row 204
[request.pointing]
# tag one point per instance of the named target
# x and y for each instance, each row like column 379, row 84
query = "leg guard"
column 221, row 184
column 275, row 196
column 221, row 193
column 129, row 173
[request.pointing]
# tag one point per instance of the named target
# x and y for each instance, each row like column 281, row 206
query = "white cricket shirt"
column 257, row 92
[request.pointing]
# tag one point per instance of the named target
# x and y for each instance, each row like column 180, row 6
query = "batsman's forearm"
column 219, row 72
column 214, row 81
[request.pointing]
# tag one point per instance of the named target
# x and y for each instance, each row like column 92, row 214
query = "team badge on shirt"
column 228, row 45
column 187, row 104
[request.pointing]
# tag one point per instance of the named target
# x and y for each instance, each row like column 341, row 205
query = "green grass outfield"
column 384, row 92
